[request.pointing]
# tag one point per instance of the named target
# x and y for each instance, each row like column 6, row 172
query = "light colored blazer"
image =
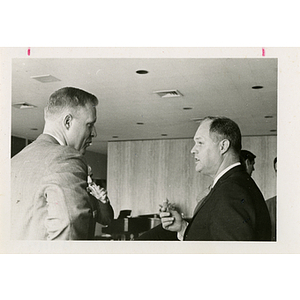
column 49, row 197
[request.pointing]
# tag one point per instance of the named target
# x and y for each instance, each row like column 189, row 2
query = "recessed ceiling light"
column 187, row 108
column 142, row 72
column 257, row 87
column 140, row 123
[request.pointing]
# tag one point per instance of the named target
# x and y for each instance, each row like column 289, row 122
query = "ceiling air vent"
column 23, row 105
column 168, row 93
column 45, row 78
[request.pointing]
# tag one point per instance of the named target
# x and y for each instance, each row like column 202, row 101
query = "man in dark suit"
column 247, row 159
column 49, row 177
column 234, row 209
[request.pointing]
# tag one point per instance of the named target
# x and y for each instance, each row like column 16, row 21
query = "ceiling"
column 209, row 86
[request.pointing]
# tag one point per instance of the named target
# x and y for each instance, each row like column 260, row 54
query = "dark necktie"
column 202, row 201
column 198, row 206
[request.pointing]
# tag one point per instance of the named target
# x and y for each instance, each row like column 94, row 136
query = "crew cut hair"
column 69, row 97
column 225, row 128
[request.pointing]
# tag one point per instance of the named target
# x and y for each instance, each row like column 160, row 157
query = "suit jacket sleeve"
column 233, row 215
column 69, row 212
column 105, row 213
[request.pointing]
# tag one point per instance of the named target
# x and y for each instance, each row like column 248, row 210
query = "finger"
column 169, row 220
column 164, row 214
column 92, row 190
column 162, row 209
column 103, row 196
column 168, row 223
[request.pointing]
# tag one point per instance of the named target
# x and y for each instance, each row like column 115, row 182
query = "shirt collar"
column 59, row 141
column 223, row 172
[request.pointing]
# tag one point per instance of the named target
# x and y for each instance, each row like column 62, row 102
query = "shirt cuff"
column 180, row 234
column 104, row 201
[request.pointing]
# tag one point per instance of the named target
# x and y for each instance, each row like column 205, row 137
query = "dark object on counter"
column 124, row 214
column 130, row 228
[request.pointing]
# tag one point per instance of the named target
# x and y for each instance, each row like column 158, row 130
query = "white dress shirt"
column 59, row 141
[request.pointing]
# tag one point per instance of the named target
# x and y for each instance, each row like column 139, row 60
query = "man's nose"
column 193, row 150
column 94, row 132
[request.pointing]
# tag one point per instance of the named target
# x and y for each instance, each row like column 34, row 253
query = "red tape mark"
column 263, row 52
column 28, row 52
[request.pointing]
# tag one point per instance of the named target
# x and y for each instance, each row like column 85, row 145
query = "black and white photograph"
column 162, row 132
column 146, row 147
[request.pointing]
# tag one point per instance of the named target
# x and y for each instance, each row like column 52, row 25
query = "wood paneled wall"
column 142, row 174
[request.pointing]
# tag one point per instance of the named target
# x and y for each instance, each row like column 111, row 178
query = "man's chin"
column 200, row 170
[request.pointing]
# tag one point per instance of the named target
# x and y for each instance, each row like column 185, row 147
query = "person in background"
column 272, row 206
column 234, row 209
column 49, row 199
column 247, row 160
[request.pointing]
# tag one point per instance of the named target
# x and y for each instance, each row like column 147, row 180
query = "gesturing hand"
column 170, row 217
column 97, row 192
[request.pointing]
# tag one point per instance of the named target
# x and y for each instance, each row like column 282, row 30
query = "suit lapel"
column 206, row 198
column 197, row 209
column 202, row 202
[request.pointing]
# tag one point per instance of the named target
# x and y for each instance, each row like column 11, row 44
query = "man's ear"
column 247, row 162
column 224, row 145
column 68, row 121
